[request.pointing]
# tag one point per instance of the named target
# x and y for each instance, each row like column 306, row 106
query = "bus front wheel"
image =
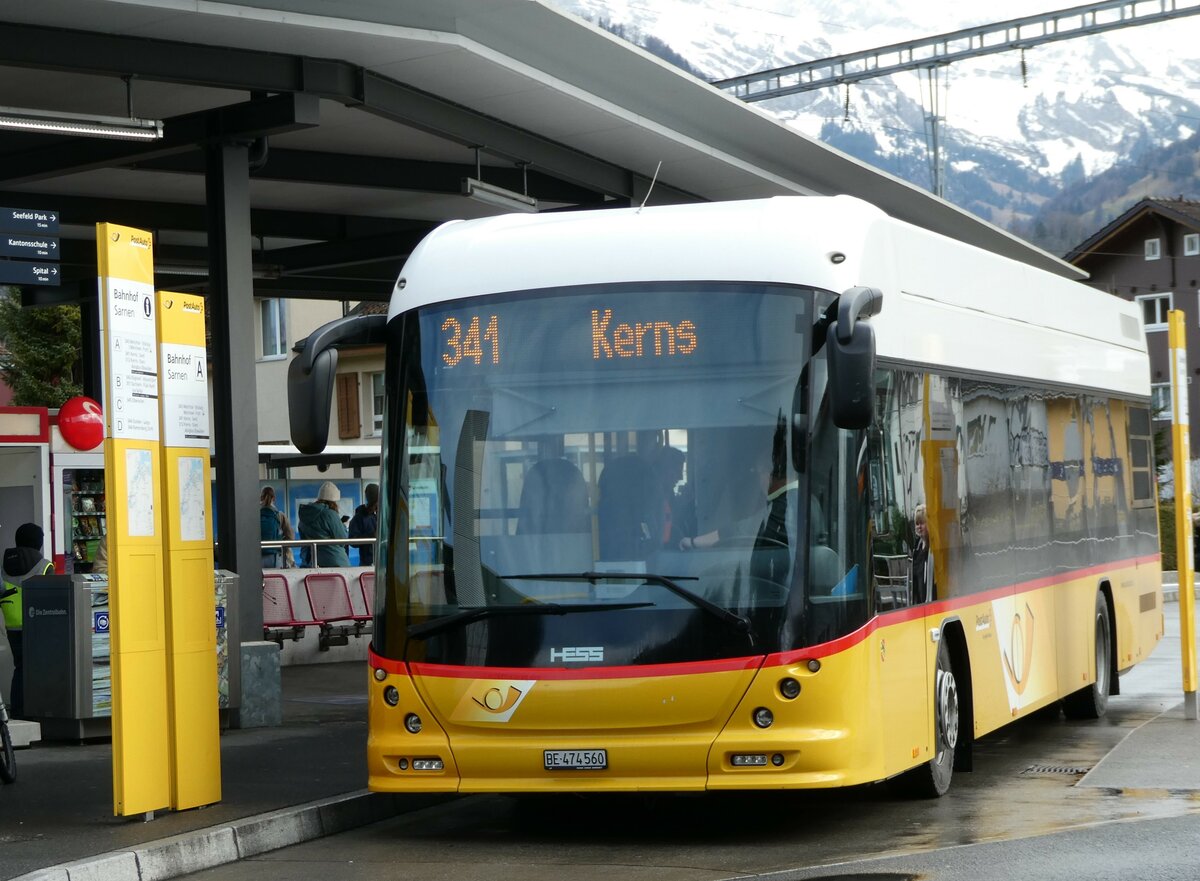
column 932, row 779
column 1091, row 701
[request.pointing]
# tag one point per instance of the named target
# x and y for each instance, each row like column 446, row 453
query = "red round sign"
column 81, row 423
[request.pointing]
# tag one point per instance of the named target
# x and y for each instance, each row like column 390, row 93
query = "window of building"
column 347, row 406
column 1141, row 460
column 274, row 328
column 1153, row 249
column 1160, row 401
column 1154, row 310
column 377, row 404
column 1191, row 244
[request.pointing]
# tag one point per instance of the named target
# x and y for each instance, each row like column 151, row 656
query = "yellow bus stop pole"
column 1183, row 508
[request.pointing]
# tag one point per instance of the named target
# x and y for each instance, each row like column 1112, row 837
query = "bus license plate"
column 575, row 759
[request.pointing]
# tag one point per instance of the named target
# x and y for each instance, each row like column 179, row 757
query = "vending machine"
column 77, row 485
column 79, row 507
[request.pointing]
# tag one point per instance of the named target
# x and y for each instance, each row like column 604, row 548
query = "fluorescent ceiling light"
column 199, row 270
column 81, row 124
column 498, row 196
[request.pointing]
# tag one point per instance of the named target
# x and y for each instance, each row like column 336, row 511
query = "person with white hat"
column 321, row 519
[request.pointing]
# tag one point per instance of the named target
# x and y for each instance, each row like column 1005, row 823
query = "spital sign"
column 29, row 234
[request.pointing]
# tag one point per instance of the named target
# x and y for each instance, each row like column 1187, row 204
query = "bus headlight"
column 789, row 688
column 412, row 723
column 391, row 696
column 763, row 717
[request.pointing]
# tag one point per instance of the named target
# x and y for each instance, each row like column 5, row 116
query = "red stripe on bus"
column 684, row 668
column 778, row 659
column 887, row 619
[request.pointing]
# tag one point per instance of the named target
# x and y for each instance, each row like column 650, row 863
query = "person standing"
column 365, row 524
column 320, row 519
column 20, row 562
column 922, row 565
column 273, row 525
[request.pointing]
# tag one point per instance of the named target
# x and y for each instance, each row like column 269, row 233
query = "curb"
column 227, row 843
column 1171, row 593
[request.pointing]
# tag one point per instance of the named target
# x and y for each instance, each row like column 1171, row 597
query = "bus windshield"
column 618, row 475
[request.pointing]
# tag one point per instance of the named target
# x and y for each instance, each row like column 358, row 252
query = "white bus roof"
column 946, row 304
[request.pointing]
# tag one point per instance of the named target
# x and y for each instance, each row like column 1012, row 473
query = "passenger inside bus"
column 554, row 499
column 767, row 525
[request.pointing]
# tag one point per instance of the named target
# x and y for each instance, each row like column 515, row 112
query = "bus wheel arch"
column 1091, row 701
column 953, row 720
column 955, row 641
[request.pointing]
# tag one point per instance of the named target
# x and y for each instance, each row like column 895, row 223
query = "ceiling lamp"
column 81, row 124
column 499, row 197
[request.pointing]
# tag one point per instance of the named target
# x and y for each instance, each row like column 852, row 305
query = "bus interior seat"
column 554, row 500
column 628, row 522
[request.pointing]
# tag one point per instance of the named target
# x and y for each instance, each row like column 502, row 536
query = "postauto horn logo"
column 492, row 700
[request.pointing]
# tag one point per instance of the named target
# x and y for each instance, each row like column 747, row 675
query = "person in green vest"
column 20, row 562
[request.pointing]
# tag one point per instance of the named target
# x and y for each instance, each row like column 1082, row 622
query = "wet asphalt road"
column 1019, row 814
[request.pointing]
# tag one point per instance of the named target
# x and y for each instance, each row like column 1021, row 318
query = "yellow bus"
column 753, row 495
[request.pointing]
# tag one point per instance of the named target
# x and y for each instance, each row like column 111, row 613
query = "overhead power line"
column 929, row 54
column 1004, row 36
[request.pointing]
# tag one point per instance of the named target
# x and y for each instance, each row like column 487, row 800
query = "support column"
column 235, row 404
column 89, row 328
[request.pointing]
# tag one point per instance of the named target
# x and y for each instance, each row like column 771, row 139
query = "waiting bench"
column 333, row 613
column 279, row 618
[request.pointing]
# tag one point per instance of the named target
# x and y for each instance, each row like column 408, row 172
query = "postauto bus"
column 765, row 494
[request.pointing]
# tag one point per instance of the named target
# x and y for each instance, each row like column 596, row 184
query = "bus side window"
column 889, row 557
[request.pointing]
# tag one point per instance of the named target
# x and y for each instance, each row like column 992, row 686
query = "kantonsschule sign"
column 30, row 235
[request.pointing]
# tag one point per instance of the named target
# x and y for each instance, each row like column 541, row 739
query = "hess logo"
column 575, row 654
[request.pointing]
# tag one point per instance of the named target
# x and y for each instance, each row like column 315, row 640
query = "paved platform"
column 305, row 779
column 281, row 785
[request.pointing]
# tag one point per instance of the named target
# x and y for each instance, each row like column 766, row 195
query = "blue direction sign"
column 37, row 220
column 31, row 247
column 22, row 272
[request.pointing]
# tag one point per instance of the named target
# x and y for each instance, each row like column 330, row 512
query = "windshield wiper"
column 428, row 628
column 735, row 620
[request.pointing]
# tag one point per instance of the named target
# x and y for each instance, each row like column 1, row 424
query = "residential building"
column 1151, row 255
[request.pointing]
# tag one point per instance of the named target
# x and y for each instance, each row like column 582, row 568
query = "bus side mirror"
column 850, row 347
column 312, row 371
column 310, row 398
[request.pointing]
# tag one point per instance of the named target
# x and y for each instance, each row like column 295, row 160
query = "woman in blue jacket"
column 321, row 519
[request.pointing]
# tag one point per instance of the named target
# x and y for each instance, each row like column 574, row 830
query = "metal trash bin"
column 229, row 661
column 66, row 669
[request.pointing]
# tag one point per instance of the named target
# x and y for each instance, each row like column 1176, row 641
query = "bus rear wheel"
column 1091, row 701
column 932, row 779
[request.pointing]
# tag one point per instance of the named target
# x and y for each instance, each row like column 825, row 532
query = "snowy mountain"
column 1017, row 127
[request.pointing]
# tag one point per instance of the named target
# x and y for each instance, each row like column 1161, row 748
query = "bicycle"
column 8, row 757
